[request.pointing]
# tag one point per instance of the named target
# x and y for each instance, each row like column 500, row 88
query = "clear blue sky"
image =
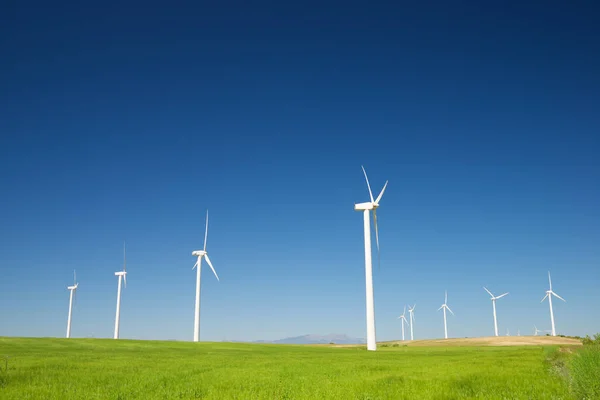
column 127, row 121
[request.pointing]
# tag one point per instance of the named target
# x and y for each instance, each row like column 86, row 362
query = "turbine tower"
column 365, row 208
column 72, row 289
column 200, row 254
column 445, row 307
column 402, row 321
column 549, row 294
column 411, row 312
column 122, row 277
column 494, row 308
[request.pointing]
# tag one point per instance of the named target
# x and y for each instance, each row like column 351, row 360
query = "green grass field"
column 108, row 369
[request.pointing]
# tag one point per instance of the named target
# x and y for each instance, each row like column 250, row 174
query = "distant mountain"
column 316, row 339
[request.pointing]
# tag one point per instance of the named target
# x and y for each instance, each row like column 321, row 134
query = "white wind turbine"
column 366, row 207
column 200, row 254
column 72, row 289
column 445, row 307
column 122, row 277
column 402, row 321
column 494, row 308
column 411, row 312
column 536, row 331
column 549, row 294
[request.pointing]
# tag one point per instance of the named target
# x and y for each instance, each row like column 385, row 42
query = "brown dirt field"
column 488, row 341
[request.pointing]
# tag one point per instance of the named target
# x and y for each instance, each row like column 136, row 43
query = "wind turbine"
column 122, row 277
column 72, row 289
column 445, row 307
column 536, row 331
column 402, row 321
column 366, row 207
column 494, row 308
column 411, row 312
column 200, row 254
column 549, row 294
column 507, row 332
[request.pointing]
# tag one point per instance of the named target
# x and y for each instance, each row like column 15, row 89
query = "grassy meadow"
column 125, row 369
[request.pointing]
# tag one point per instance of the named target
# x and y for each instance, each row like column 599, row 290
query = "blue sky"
column 127, row 122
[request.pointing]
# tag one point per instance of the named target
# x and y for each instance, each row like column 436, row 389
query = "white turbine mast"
column 445, row 307
column 72, row 289
column 198, row 265
column 122, row 277
column 365, row 208
column 549, row 294
column 494, row 298
column 403, row 320
column 411, row 312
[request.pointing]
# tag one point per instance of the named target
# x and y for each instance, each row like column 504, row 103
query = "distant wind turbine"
column 366, row 207
column 200, row 254
column 507, row 332
column 403, row 320
column 122, row 277
column 536, row 331
column 72, row 289
column 411, row 312
column 549, row 294
column 445, row 307
column 494, row 308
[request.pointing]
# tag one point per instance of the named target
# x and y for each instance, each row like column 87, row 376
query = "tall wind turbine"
column 402, row 321
column 494, row 308
column 411, row 312
column 445, row 307
column 549, row 294
column 122, row 277
column 365, row 208
column 200, row 254
column 72, row 289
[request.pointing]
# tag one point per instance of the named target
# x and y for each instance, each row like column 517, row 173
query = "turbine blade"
column 544, row 298
column 206, row 231
column 442, row 306
column 404, row 310
column 368, row 185
column 549, row 280
column 502, row 295
column 488, row 291
column 449, row 310
column 195, row 265
column 211, row 266
column 446, row 301
column 559, row 297
column 377, row 239
column 125, row 280
column 381, row 193
column 124, row 258
column 74, row 278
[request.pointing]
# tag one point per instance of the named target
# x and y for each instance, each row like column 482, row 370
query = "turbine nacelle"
column 365, row 206
column 72, row 287
column 121, row 273
column 199, row 253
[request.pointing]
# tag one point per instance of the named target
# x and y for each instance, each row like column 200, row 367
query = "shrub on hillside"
column 587, row 340
column 585, row 372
